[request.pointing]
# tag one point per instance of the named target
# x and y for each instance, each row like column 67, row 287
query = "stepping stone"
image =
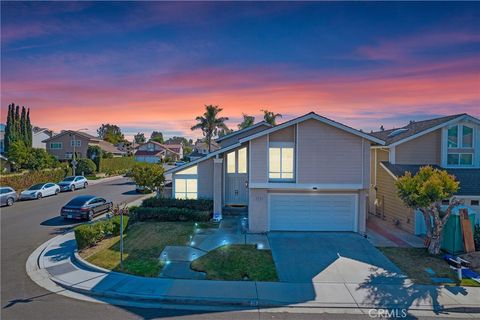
column 180, row 253
column 260, row 240
column 180, row 270
column 430, row 271
column 211, row 242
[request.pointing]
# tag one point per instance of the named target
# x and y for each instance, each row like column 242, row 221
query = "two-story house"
column 451, row 143
column 155, row 152
column 307, row 174
column 63, row 145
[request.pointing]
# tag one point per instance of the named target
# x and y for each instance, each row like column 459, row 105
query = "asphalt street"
column 28, row 224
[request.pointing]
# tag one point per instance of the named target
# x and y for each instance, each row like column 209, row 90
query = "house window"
column 56, row 145
column 69, row 155
column 474, row 202
column 453, row 137
column 445, row 202
column 460, row 137
column 460, row 159
column 231, row 162
column 242, row 160
column 150, row 147
column 281, row 162
column 186, row 183
column 467, row 137
column 76, row 143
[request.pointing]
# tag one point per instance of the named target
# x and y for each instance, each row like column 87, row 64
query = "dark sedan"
column 85, row 207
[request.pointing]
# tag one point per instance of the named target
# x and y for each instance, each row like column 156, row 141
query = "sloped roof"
column 77, row 133
column 108, row 147
column 414, row 128
column 164, row 146
column 469, row 178
column 234, row 133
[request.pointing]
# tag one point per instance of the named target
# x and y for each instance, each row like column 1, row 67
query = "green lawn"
column 414, row 261
column 143, row 243
column 237, row 262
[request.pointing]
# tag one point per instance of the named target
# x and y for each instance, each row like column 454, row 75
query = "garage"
column 312, row 212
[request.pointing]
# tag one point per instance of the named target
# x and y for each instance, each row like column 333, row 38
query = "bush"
column 119, row 165
column 476, row 237
column 86, row 166
column 198, row 204
column 23, row 180
column 170, row 214
column 89, row 234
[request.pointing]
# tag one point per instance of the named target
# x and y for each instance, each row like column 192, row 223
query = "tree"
column 29, row 129
column 95, row 153
column 19, row 155
column 111, row 133
column 86, row 166
column 270, row 117
column 149, row 175
column 224, row 132
column 139, row 138
column 157, row 136
column 178, row 140
column 40, row 159
column 425, row 191
column 248, row 121
column 210, row 123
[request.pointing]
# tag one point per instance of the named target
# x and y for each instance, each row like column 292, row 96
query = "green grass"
column 93, row 177
column 143, row 243
column 414, row 261
column 237, row 262
column 207, row 225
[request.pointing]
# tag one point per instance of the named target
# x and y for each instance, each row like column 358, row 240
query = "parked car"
column 179, row 163
column 142, row 189
column 7, row 196
column 38, row 191
column 73, row 182
column 85, row 207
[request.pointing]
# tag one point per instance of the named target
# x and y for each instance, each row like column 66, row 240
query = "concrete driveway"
column 330, row 257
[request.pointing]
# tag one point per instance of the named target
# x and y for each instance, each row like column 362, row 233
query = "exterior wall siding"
column 205, row 179
column 425, row 149
column 259, row 158
column 285, row 135
column 66, row 146
column 258, row 210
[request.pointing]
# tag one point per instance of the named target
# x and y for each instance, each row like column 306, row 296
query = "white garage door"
column 307, row 212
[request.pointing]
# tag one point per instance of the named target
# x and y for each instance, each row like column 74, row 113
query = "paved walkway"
column 56, row 260
column 384, row 234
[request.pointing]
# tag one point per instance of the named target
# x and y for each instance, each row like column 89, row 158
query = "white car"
column 37, row 191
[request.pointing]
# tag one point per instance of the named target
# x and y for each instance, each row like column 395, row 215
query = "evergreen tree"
column 8, row 128
column 23, row 127
column 29, row 130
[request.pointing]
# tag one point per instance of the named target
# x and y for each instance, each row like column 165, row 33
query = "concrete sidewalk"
column 58, row 260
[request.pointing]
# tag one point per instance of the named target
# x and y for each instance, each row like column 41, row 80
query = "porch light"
column 192, row 243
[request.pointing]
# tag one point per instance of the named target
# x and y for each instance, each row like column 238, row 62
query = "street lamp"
column 74, row 161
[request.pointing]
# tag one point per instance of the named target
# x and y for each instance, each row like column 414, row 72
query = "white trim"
column 316, row 117
column 375, row 168
column 388, row 171
column 465, row 117
column 391, row 155
column 295, row 174
column 357, row 213
column 249, row 150
column 243, row 130
column 363, row 162
column 306, row 186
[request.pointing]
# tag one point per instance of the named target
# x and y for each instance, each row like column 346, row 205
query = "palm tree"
column 210, row 124
column 247, row 121
column 270, row 117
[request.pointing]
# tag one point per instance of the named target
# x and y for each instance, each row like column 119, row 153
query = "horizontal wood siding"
column 258, row 157
column 205, row 179
column 425, row 149
column 284, row 135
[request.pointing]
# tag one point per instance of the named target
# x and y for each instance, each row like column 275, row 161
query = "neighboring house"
column 39, row 135
column 63, row 145
column 451, row 143
column 155, row 152
column 177, row 148
column 127, row 146
column 2, row 138
column 201, row 149
column 307, row 174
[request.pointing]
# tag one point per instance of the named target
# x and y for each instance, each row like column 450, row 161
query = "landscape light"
column 260, row 246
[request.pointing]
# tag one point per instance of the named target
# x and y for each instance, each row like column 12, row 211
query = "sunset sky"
column 153, row 66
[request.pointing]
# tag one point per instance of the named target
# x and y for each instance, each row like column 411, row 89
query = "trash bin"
column 452, row 241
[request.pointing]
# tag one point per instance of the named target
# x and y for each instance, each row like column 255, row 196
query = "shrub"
column 89, row 234
column 119, row 165
column 20, row 181
column 476, row 237
column 197, row 204
column 170, row 214
column 86, row 166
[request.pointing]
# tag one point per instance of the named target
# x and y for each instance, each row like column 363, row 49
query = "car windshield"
column 78, row 201
column 68, row 179
column 36, row 186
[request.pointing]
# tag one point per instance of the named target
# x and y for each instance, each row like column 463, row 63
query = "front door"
column 236, row 177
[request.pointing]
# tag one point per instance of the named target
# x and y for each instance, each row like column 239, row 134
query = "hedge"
column 89, row 234
column 21, row 181
column 170, row 214
column 199, row 204
column 119, row 165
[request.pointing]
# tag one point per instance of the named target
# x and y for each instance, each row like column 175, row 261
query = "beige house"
column 63, row 145
column 451, row 143
column 307, row 174
column 155, row 152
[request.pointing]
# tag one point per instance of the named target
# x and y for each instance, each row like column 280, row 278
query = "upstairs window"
column 56, row 145
column 460, row 137
column 281, row 162
column 76, row 143
column 467, row 137
column 453, row 137
column 237, row 161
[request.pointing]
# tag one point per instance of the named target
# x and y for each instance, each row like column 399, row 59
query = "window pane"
column 274, row 175
column 286, row 175
column 191, row 170
column 466, row 159
column 274, row 159
column 191, row 185
column 453, row 158
column 467, row 137
column 453, row 137
column 231, row 162
column 287, row 160
column 180, row 195
column 242, row 160
column 180, row 185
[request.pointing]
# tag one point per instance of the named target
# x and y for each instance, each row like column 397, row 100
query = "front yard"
column 143, row 243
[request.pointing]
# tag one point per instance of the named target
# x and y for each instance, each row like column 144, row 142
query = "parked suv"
column 73, row 182
column 7, row 196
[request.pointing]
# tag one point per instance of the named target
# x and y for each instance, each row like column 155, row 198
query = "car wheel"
column 39, row 195
column 110, row 207
column 10, row 202
column 72, row 188
column 85, row 185
column 56, row 191
column 90, row 215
